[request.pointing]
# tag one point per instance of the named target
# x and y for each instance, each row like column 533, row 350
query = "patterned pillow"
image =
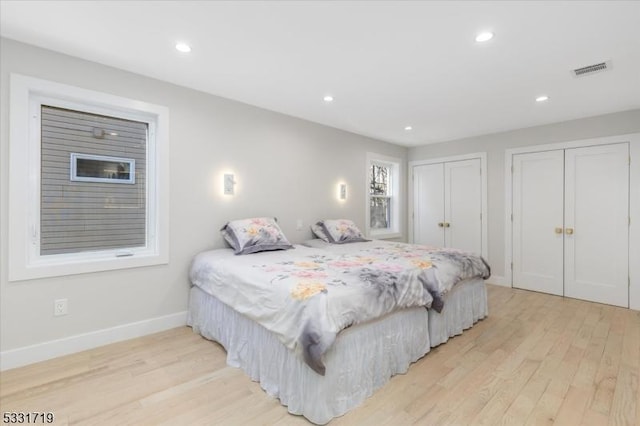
column 254, row 235
column 318, row 231
column 342, row 231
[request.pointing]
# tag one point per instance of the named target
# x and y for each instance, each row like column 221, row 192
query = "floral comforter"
column 306, row 296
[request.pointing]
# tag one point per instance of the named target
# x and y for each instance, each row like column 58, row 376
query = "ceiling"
column 388, row 64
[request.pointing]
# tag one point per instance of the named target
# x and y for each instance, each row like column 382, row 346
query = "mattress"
column 362, row 359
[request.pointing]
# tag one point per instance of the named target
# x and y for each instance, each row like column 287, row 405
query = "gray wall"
column 285, row 167
column 496, row 144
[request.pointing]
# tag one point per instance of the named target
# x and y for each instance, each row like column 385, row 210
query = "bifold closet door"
column 538, row 199
column 597, row 223
column 428, row 204
column 463, row 205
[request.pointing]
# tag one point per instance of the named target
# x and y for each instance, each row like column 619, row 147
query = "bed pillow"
column 342, row 231
column 318, row 231
column 254, row 235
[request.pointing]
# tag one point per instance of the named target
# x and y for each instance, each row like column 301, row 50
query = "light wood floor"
column 537, row 359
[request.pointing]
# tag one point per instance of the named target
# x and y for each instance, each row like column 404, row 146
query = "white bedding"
column 464, row 305
column 362, row 359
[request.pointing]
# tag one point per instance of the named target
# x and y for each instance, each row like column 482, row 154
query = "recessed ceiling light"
column 485, row 36
column 408, row 128
column 328, row 98
column 183, row 47
column 542, row 98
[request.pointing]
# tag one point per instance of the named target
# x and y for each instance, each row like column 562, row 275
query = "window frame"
column 25, row 261
column 393, row 193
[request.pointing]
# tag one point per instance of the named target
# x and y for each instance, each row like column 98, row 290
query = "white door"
column 463, row 205
column 538, row 221
column 597, row 223
column 428, row 204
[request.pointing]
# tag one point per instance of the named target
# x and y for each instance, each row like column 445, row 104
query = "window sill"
column 48, row 270
column 90, row 263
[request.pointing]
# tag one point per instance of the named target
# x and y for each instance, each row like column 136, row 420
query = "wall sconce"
column 229, row 184
column 342, row 191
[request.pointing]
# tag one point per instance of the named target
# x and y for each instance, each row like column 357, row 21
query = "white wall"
column 285, row 167
column 495, row 145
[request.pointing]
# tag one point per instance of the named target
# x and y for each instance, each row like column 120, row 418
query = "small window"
column 383, row 196
column 99, row 168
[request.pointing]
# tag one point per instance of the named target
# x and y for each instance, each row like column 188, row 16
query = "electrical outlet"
column 60, row 307
column 299, row 225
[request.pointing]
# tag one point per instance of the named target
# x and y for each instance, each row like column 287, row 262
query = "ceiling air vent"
column 591, row 69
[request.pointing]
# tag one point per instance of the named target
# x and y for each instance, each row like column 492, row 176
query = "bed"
column 323, row 328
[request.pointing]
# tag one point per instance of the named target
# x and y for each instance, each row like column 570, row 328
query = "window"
column 86, row 194
column 379, row 196
column 383, row 193
column 100, row 168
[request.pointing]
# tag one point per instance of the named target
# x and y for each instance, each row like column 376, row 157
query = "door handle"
column 569, row 231
column 558, row 230
column 440, row 224
column 447, row 224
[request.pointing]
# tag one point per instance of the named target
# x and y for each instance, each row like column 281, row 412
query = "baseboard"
column 498, row 280
column 35, row 353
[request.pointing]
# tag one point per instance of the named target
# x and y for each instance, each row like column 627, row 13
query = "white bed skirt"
column 363, row 358
column 464, row 305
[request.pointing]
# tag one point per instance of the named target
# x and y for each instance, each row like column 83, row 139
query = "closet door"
column 463, row 205
column 597, row 223
column 538, row 221
column 428, row 204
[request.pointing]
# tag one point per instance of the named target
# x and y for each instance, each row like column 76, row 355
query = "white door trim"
column 483, row 169
column 634, row 203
